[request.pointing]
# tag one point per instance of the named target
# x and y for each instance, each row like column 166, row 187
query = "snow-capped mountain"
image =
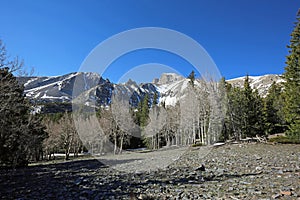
column 260, row 83
column 172, row 91
column 92, row 90
column 101, row 94
column 59, row 88
column 85, row 87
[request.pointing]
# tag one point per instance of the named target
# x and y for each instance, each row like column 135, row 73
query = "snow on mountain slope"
column 101, row 94
column 260, row 83
column 58, row 88
column 170, row 93
column 173, row 92
column 92, row 89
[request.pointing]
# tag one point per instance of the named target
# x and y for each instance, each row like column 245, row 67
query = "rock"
column 279, row 172
column 200, row 168
column 276, row 196
column 78, row 181
column 286, row 193
column 229, row 172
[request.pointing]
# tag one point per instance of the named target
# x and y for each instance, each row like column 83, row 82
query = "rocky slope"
column 240, row 171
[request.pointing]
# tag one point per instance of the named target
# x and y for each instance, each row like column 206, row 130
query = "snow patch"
column 30, row 81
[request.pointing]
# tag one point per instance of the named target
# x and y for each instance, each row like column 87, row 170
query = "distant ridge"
column 260, row 83
column 94, row 90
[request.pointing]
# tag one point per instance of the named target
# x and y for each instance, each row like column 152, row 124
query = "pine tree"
column 21, row 133
column 192, row 78
column 244, row 112
column 155, row 99
column 235, row 112
column 272, row 112
column 252, row 116
column 143, row 111
column 223, row 100
column 292, row 84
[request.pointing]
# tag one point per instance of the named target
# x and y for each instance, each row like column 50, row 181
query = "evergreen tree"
column 21, row 133
column 292, row 84
column 235, row 111
column 252, row 116
column 223, row 88
column 155, row 99
column 192, row 78
column 257, row 118
column 244, row 112
column 143, row 111
column 272, row 112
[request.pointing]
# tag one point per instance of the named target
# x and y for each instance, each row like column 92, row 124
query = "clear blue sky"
column 242, row 36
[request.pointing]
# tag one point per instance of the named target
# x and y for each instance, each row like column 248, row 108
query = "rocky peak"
column 167, row 78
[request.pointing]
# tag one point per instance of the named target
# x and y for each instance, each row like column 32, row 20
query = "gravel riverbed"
column 237, row 171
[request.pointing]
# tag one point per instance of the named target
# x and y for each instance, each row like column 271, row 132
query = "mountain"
column 260, row 83
column 58, row 88
column 173, row 89
column 91, row 89
column 167, row 78
column 87, row 87
column 101, row 94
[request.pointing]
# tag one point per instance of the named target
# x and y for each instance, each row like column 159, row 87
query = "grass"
column 284, row 140
column 197, row 145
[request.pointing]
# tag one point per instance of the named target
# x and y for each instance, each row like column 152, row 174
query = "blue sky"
column 241, row 36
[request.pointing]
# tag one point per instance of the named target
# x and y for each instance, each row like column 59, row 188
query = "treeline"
column 250, row 115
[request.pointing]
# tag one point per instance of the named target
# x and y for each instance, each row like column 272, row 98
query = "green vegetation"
column 244, row 112
column 283, row 140
column 249, row 115
column 292, row 85
column 21, row 133
column 197, row 145
column 191, row 76
column 143, row 111
column 272, row 111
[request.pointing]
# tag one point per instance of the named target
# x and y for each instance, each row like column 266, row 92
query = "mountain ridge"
column 92, row 89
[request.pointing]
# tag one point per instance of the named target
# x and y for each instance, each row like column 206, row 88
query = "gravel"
column 239, row 171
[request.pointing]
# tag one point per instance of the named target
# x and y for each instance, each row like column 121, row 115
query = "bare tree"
column 14, row 65
column 157, row 119
column 68, row 132
column 122, row 115
column 90, row 132
column 204, row 112
column 52, row 143
column 172, row 125
column 217, row 110
column 189, row 114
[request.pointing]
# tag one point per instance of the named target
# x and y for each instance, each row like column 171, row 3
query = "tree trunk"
column 121, row 143
column 115, row 145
